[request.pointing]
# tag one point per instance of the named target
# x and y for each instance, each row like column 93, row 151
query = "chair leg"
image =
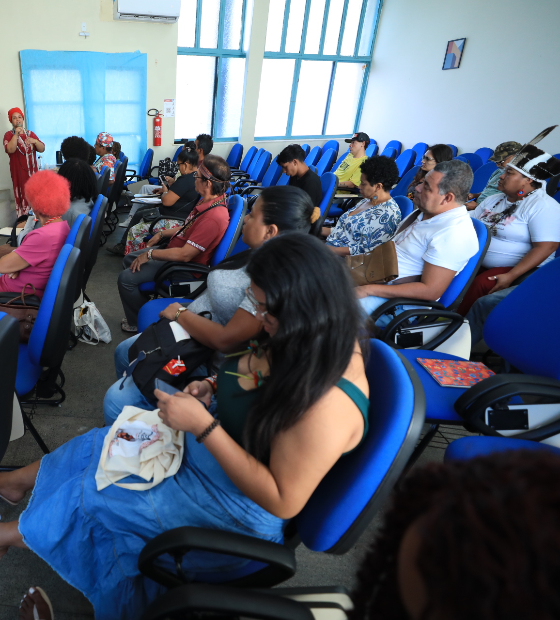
column 48, row 387
column 34, row 432
column 422, row 445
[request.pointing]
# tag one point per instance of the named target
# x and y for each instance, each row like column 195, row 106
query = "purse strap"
column 188, row 224
column 23, row 294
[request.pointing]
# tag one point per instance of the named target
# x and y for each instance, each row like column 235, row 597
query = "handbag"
column 24, row 308
column 375, row 267
column 139, row 444
column 91, row 326
column 168, row 168
column 166, row 353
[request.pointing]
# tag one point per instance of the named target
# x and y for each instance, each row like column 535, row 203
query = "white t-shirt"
column 446, row 240
column 537, row 218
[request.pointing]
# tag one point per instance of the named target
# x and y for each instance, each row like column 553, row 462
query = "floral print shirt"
column 368, row 229
column 107, row 160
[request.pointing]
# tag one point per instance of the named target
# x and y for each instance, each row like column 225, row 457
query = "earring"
column 520, row 192
column 375, row 197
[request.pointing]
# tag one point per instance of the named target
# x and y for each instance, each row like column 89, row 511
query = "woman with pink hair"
column 48, row 194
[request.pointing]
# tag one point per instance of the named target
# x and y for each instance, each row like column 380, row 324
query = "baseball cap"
column 359, row 137
column 505, row 149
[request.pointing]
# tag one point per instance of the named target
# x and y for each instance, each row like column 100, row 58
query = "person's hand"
column 503, row 280
column 15, row 274
column 31, row 141
column 170, row 312
column 170, row 180
column 471, row 205
column 18, row 130
column 158, row 190
column 201, row 390
column 183, row 412
column 360, row 292
column 138, row 262
column 154, row 240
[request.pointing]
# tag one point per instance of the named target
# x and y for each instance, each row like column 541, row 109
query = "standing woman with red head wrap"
column 21, row 146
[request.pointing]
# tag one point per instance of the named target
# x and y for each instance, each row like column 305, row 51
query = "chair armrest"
column 251, row 189
column 152, row 169
column 388, row 334
column 242, row 183
column 496, row 391
column 240, row 174
column 181, row 540
column 129, row 177
column 390, row 304
column 179, row 269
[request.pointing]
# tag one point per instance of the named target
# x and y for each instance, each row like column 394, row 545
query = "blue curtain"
column 84, row 93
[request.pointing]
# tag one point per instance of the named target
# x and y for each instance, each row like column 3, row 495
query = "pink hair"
column 48, row 193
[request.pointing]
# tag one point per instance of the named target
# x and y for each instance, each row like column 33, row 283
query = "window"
column 212, row 42
column 317, row 59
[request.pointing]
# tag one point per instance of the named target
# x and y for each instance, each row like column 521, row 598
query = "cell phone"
column 163, row 181
column 165, row 387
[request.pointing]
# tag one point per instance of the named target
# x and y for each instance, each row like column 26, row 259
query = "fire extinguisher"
column 157, row 125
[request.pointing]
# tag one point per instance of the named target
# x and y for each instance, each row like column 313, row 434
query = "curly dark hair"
column 92, row 155
column 440, row 152
column 490, row 541
column 380, row 169
column 83, row 183
column 117, row 150
column 74, row 146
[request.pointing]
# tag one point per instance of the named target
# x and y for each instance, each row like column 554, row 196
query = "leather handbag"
column 23, row 307
column 376, row 267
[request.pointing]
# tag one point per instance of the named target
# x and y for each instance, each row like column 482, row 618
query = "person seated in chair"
column 292, row 161
column 375, row 219
column 277, row 210
column 433, row 155
column 48, row 193
column 194, row 241
column 348, row 173
column 502, row 156
column 104, row 150
column 249, row 470
column 75, row 147
column 433, row 243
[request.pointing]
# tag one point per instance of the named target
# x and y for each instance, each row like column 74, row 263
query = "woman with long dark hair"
column 276, row 211
column 83, row 188
column 287, row 410
column 433, row 156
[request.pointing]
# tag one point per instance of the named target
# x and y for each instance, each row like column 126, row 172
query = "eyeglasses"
column 197, row 175
column 255, row 303
column 426, row 158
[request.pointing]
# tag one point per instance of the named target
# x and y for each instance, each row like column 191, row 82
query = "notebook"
column 454, row 373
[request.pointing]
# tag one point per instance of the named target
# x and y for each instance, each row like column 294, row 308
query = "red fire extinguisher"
column 157, row 126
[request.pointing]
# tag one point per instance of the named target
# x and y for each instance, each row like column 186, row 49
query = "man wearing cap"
column 502, row 155
column 21, row 146
column 348, row 173
column 104, row 149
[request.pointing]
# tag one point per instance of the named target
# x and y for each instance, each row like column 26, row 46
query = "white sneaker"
column 126, row 222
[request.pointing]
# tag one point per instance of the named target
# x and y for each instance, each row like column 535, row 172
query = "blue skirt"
column 93, row 538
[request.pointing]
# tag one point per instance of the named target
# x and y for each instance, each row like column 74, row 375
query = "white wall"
column 507, row 86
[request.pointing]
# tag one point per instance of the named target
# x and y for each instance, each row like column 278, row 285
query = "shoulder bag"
column 23, row 307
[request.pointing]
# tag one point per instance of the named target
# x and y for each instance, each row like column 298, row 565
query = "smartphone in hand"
column 165, row 387
column 163, row 182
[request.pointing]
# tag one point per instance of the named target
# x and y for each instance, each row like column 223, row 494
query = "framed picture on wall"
column 453, row 54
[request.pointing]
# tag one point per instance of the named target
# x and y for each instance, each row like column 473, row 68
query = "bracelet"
column 213, row 381
column 207, row 431
column 160, row 235
column 150, row 253
column 182, row 309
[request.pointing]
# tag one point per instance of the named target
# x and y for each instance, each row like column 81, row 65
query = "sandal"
column 8, row 501
column 32, row 613
column 126, row 327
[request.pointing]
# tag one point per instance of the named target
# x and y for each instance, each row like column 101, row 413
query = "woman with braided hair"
column 468, row 540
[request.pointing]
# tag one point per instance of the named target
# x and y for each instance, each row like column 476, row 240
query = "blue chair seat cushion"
column 27, row 373
column 149, row 312
column 470, row 447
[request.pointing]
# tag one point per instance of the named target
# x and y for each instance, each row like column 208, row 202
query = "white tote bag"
column 91, row 326
column 139, row 443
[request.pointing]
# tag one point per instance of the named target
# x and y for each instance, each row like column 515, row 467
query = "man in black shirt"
column 292, row 162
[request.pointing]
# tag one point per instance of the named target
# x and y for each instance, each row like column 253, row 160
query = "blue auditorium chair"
column 475, row 162
column 405, row 205
column 249, row 155
column 314, row 156
column 79, row 237
column 481, row 177
column 390, row 151
column 394, row 144
column 484, row 153
column 143, row 171
column 114, row 195
column 236, row 174
column 235, row 154
column 103, row 180
column 98, row 217
column 254, row 175
column 461, row 158
column 419, row 148
column 340, row 160
column 453, row 149
column 329, row 183
column 306, row 148
column 338, row 511
column 326, row 161
column 331, row 144
column 269, row 179
column 405, row 161
column 177, row 153
column 401, row 187
column 372, row 150
column 9, row 345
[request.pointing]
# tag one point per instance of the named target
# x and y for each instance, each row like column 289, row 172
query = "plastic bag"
column 91, row 326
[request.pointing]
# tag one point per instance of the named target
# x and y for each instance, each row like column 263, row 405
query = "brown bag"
column 376, row 267
column 24, row 308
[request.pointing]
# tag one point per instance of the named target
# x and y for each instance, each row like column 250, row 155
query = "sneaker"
column 126, row 223
column 117, row 250
column 126, row 327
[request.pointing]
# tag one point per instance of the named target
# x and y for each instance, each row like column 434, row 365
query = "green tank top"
column 234, row 403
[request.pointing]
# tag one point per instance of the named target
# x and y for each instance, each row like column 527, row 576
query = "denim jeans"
column 480, row 310
column 369, row 304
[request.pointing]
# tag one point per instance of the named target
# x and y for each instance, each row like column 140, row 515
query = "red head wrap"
column 14, row 111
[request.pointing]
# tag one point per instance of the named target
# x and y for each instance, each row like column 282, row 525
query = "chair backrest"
column 389, row 151
column 405, row 205
column 9, row 345
column 331, row 144
column 262, row 166
column 79, row 237
column 481, row 177
column 116, row 189
column 234, row 157
column 98, row 217
column 405, row 161
column 237, row 209
column 49, row 338
column 474, row 160
column 306, row 148
column 521, row 328
column 484, row 153
column 461, row 282
column 372, row 150
column 395, row 144
column 177, row 153
column 326, row 161
column 103, row 181
column 419, row 148
column 313, row 157
column 146, row 165
column 254, row 163
column 329, row 183
column 358, row 485
column 283, row 179
column 272, row 174
column 453, row 149
column 248, row 159
column 461, row 158
column 121, row 156
column 340, row 160
column 401, row 187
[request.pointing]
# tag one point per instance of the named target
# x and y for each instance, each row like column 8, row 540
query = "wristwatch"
column 181, row 309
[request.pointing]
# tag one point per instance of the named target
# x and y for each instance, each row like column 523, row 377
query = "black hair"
column 289, row 208
column 380, row 169
column 75, row 147
column 291, row 152
column 220, row 170
column 309, row 291
column 440, row 152
column 205, row 143
column 92, row 155
column 83, row 183
column 116, row 149
column 188, row 155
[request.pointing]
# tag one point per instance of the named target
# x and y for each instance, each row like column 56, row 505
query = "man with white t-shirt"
column 433, row 243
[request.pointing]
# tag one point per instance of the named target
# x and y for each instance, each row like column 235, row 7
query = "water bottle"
column 39, row 163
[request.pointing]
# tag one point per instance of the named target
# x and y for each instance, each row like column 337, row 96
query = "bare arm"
column 12, row 263
column 12, row 144
column 169, row 198
column 433, row 284
column 339, row 251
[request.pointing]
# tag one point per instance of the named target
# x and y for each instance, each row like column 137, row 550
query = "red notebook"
column 453, row 373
